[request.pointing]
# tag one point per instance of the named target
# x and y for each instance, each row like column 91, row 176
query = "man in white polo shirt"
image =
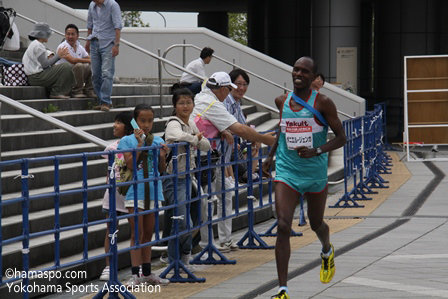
column 216, row 91
column 196, row 66
column 80, row 61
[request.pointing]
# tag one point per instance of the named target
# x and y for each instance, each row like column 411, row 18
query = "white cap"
column 221, row 79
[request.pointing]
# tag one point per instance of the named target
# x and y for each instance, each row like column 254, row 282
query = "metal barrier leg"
column 210, row 248
column 177, row 265
column 251, row 236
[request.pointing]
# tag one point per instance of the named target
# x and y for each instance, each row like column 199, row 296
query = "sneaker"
column 185, row 259
column 98, row 107
column 154, row 280
column 223, row 247
column 133, row 281
column 281, row 295
column 233, row 246
column 228, row 246
column 105, row 275
column 164, row 258
column 328, row 268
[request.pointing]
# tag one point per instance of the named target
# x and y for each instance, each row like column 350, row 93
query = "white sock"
column 283, row 288
column 326, row 255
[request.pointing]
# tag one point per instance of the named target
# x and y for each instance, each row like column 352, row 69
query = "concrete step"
column 27, row 123
column 44, row 220
column 45, row 177
column 11, row 123
column 10, row 55
column 45, row 196
column 58, row 137
column 38, row 92
column 268, row 125
column 87, row 103
column 258, row 118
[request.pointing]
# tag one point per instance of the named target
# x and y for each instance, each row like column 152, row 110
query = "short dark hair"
column 73, row 26
column 31, row 38
column 315, row 68
column 125, row 117
column 321, row 76
column 206, row 52
column 185, row 92
column 239, row 72
column 141, row 107
column 181, row 92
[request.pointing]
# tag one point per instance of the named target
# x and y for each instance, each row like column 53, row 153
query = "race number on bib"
column 299, row 136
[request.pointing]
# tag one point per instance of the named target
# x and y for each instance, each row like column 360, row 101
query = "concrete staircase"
column 26, row 137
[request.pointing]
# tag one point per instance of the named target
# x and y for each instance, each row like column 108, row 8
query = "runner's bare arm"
column 328, row 109
column 279, row 101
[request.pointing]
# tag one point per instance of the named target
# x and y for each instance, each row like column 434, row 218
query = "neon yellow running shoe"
column 328, row 268
column 281, row 295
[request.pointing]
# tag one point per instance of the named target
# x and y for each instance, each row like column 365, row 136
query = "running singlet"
column 300, row 128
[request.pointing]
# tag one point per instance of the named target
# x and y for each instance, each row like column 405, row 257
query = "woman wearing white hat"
column 41, row 70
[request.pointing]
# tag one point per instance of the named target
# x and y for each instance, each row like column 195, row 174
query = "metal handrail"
column 223, row 60
column 54, row 121
column 235, row 66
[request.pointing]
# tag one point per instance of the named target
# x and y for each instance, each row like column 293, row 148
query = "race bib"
column 299, row 136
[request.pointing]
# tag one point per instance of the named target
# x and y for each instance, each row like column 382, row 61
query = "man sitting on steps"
column 80, row 61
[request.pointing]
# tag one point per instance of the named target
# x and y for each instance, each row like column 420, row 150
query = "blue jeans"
column 103, row 70
column 184, row 240
column 6, row 62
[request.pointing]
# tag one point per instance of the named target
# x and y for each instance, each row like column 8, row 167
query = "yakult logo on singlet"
column 302, row 123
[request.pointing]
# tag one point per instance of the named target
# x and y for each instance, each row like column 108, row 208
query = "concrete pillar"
column 335, row 23
column 216, row 21
column 280, row 29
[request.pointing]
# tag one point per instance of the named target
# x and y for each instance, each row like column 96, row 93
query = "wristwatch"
column 318, row 151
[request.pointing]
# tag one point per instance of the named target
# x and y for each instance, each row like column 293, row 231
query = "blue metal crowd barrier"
column 251, row 236
column 364, row 146
column 364, row 150
column 386, row 144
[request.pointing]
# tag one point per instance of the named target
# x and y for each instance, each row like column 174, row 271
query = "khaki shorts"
column 141, row 204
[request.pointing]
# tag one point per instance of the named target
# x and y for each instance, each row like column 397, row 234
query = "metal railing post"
column 25, row 225
column 184, row 55
column 159, row 63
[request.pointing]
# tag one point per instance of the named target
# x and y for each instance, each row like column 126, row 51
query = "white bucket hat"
column 41, row 30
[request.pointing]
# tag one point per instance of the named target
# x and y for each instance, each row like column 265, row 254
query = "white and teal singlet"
column 301, row 128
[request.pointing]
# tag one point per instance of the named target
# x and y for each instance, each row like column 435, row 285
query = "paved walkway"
column 395, row 247
column 399, row 251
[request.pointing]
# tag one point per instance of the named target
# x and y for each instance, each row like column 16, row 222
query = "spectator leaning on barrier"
column 302, row 165
column 80, row 62
column 41, row 70
column 144, row 116
column 180, row 128
column 103, row 41
column 196, row 66
column 122, row 127
column 233, row 105
column 210, row 99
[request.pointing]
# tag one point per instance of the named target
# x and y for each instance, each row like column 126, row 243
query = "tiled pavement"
column 408, row 261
